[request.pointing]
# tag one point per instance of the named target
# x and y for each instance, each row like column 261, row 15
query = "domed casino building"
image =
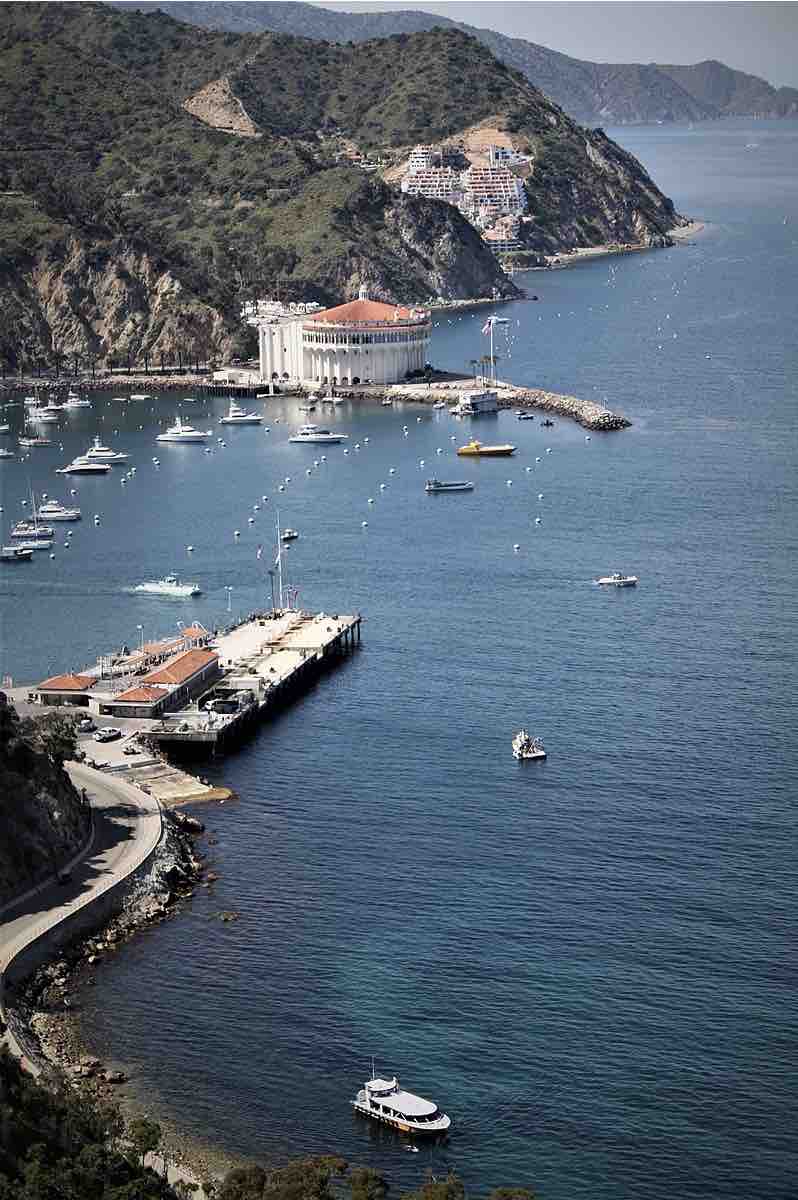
column 363, row 341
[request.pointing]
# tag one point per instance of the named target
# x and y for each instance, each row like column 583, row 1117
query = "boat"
column 617, row 580
column 5, row 428
column 236, row 415
column 73, row 401
column 312, row 433
column 183, row 432
column 6, row 453
column 54, row 510
column 170, row 585
column 525, row 416
column 140, row 396
column 307, row 407
column 104, row 454
column 15, row 554
column 32, row 531
column 547, row 424
column 34, row 543
column 31, row 440
column 475, row 449
column 383, row 1100
column 83, row 466
column 263, row 395
column 439, row 404
column 387, row 402
column 435, row 485
column 48, row 415
column 289, row 535
column 527, row 747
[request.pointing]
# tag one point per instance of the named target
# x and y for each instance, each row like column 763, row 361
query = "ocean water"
column 589, row 963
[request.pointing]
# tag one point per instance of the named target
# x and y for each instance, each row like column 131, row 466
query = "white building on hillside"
column 363, row 341
column 438, row 183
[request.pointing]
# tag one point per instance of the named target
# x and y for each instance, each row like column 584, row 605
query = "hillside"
column 43, row 822
column 592, row 93
column 156, row 174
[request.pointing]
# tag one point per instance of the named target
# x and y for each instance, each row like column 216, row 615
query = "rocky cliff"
column 43, row 821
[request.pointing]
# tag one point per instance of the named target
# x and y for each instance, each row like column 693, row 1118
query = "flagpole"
column 279, row 561
column 492, row 376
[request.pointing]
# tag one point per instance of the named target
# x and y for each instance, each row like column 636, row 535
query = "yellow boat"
column 476, row 449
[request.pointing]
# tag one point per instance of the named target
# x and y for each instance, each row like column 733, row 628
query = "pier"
column 265, row 662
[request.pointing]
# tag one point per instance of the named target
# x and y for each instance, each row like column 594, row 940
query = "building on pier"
column 363, row 341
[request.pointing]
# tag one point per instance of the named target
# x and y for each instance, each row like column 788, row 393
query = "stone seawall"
column 585, row 412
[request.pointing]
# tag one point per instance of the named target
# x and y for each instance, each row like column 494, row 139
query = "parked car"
column 86, row 725
column 109, row 734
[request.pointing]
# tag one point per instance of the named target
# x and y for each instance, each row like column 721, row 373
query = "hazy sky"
column 759, row 38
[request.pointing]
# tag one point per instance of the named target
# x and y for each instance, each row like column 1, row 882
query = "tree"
column 450, row 1188
column 144, row 1137
column 53, row 734
column 474, row 363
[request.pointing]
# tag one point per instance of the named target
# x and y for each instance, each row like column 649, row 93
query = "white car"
column 109, row 734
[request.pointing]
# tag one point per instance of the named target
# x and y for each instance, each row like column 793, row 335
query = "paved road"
column 127, row 827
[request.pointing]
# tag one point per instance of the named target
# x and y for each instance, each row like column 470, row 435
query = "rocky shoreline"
column 44, row 1012
column 586, row 413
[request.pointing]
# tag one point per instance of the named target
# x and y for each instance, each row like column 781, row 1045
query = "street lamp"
column 228, row 590
column 141, row 637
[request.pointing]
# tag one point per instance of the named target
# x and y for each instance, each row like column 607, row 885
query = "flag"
column 486, row 328
column 260, row 551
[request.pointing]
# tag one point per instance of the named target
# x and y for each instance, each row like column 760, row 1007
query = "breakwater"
column 585, row 412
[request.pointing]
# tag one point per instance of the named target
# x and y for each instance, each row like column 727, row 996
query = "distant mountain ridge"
column 592, row 93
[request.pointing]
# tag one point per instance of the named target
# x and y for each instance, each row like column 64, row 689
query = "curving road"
column 127, row 828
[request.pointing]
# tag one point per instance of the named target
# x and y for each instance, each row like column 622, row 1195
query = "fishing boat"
column 313, row 434
column 170, row 585
column 97, row 452
column 617, row 580
column 526, row 747
column 475, row 449
column 84, row 466
column 15, row 554
column 236, row 415
column 181, row 431
column 436, row 485
column 54, row 510
column 383, row 1100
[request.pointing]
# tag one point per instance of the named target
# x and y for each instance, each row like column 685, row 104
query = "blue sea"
column 590, row 963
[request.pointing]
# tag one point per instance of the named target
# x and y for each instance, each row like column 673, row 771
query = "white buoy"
column 439, row 451
column 73, row 491
column 250, row 520
column 509, row 483
column 237, row 533
column 346, row 450
column 364, row 524
column 281, row 488
column 452, row 438
column 264, row 499
column 365, row 441
column 24, row 504
column 267, row 429
column 527, row 469
column 516, row 547
column 44, row 495
column 537, row 520
column 256, row 508
column 404, row 428
column 189, row 549
column 357, row 445
column 540, row 495
column 69, row 533
column 288, row 479
column 548, row 449
column 538, row 460
column 308, row 471
column 587, row 437
column 219, row 440
column 392, row 470
column 324, row 458
column 382, row 487
column 418, row 419
column 52, row 556
column 315, row 462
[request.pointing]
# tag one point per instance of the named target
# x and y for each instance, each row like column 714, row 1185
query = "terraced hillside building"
column 363, row 341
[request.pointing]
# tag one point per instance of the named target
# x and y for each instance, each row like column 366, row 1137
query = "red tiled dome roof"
column 356, row 311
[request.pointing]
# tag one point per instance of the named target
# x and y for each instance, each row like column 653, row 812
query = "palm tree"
column 474, row 363
column 484, row 362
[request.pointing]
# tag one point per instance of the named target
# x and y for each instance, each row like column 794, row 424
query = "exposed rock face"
column 103, row 299
column 43, row 820
column 215, row 105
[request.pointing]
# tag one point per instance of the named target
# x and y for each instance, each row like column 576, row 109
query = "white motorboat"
column 289, row 535
column 84, row 466
column 48, row 415
column 29, row 441
column 6, row 453
column 5, row 428
column 15, row 554
column 35, row 544
column 73, row 401
column 617, row 580
column 97, row 452
column 527, row 747
column 439, row 404
column 54, row 510
column 236, row 415
column 435, row 485
column 181, row 431
column 310, row 407
column 313, row 434
column 383, row 1100
column 387, row 402
column 170, row 585
column 140, row 396
column 32, row 531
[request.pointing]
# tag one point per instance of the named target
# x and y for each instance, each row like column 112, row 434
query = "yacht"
column 181, row 431
column 475, row 449
column 312, row 433
column 54, row 510
column 236, row 415
column 97, row 452
column 47, row 415
column 617, row 580
column 30, row 440
column 141, row 396
column 32, row 531
column 15, row 554
column 83, row 466
column 170, row 585
column 289, row 535
column 527, row 747
column 6, row 453
column 34, row 544
column 435, row 485
column 5, row 428
column 73, row 401
column 383, row 1100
